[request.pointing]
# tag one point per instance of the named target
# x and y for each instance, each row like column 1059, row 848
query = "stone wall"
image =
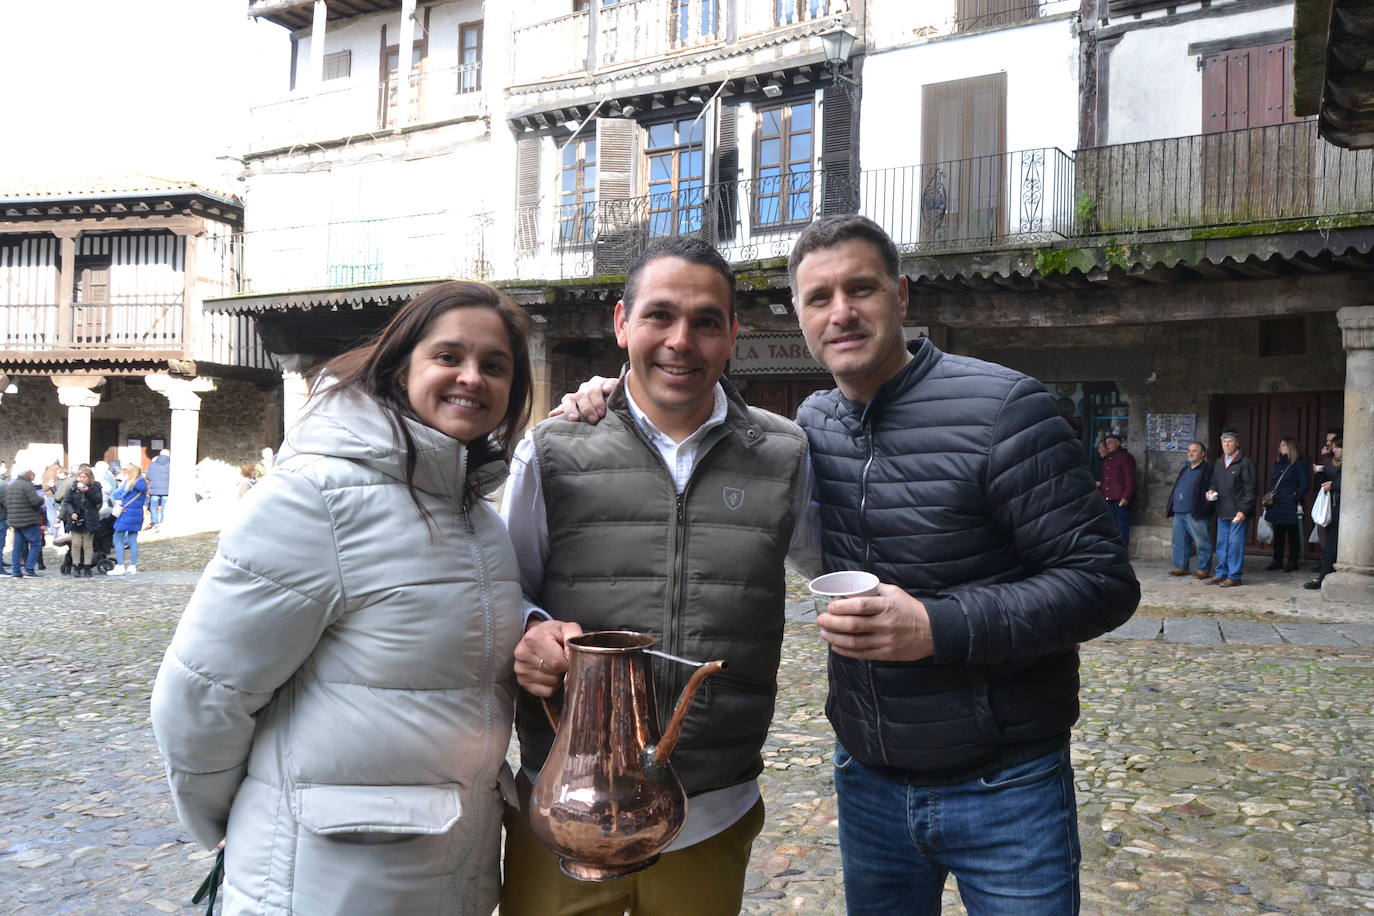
column 237, row 420
column 32, row 414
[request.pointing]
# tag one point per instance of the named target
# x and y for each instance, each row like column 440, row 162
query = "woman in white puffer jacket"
column 337, row 700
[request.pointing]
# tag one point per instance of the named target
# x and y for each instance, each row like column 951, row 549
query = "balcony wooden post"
column 66, row 282
column 317, row 30
column 405, row 51
column 190, row 300
column 592, row 26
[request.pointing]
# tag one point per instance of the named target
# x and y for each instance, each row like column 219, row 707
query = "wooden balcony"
column 366, row 108
column 637, row 31
column 1238, row 178
column 104, row 326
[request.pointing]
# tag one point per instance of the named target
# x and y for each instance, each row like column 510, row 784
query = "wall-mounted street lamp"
column 838, row 43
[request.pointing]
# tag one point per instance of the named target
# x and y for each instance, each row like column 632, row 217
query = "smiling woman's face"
column 460, row 373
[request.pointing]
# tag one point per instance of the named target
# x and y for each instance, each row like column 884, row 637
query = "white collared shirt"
column 526, row 517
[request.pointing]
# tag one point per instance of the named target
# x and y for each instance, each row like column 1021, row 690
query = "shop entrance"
column 784, row 396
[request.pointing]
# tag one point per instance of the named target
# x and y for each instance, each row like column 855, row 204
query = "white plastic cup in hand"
column 850, row 583
column 1212, row 496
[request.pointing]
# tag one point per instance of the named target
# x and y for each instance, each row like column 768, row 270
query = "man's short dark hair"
column 1201, row 445
column 829, row 231
column 1335, row 431
column 1111, row 436
column 686, row 247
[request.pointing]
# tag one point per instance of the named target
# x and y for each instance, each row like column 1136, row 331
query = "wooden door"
column 963, row 147
column 1261, row 420
column 784, row 396
column 90, row 317
column 388, row 116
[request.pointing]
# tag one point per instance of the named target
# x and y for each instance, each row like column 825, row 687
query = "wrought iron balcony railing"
column 639, row 30
column 137, row 325
column 1017, row 198
column 365, row 108
column 1259, row 174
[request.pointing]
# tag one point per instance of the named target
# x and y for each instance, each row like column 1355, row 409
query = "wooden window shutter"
column 727, row 170
column 840, row 194
column 527, row 193
column 1214, row 94
column 619, row 232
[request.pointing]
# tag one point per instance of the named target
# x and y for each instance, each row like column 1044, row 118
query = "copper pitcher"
column 607, row 801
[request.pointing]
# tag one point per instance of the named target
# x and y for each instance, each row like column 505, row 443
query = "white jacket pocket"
column 331, row 810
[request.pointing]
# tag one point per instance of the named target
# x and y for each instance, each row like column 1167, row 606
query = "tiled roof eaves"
column 1091, row 255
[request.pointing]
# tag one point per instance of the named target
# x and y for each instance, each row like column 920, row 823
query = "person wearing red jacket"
column 1118, row 484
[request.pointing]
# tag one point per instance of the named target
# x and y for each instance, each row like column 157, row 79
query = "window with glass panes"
column 691, row 20
column 676, row 168
column 577, row 192
column 786, row 12
column 470, row 57
column 783, row 170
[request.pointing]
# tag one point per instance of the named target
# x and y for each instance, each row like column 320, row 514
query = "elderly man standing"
column 671, row 517
column 952, row 691
column 1118, row 484
column 1233, row 493
column 1191, row 510
column 24, row 515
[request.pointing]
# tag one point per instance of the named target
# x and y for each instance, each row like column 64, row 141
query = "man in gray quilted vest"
column 673, row 517
column 953, row 689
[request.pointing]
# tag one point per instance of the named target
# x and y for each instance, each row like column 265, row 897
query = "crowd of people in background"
column 95, row 510
column 1230, row 491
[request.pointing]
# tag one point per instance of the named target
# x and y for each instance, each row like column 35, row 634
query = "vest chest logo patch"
column 734, row 498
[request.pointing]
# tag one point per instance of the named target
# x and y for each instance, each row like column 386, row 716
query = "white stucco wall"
column 1041, row 63
column 1154, row 84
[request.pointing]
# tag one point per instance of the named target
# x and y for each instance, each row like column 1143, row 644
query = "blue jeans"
column 156, row 505
column 1011, row 840
column 1231, row 548
column 1189, row 532
column 28, row 544
column 1122, row 516
column 123, row 539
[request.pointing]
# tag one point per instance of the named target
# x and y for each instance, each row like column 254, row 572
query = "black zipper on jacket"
column 868, row 555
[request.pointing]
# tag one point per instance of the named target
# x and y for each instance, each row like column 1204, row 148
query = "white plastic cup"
column 849, row 583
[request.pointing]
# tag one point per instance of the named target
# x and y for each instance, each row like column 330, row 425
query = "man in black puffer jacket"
column 953, row 689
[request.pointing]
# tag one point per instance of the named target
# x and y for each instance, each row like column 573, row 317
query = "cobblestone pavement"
column 1214, row 777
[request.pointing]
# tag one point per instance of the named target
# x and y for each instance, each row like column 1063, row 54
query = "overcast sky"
column 154, row 86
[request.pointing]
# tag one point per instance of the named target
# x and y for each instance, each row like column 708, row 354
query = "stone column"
column 183, row 395
column 540, row 385
column 296, row 375
column 77, row 393
column 1353, row 579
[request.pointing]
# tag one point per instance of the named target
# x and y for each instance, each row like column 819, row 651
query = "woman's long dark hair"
column 378, row 367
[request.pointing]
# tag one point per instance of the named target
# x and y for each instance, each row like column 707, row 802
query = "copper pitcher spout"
column 664, row 749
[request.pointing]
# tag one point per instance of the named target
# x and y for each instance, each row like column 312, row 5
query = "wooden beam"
column 167, row 221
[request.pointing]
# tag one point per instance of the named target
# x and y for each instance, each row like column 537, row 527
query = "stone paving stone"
column 1191, row 630
column 1211, row 779
column 1313, row 634
column 1247, row 631
column 1361, row 634
column 1138, row 627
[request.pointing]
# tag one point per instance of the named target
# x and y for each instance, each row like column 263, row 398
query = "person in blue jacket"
column 130, row 497
column 159, row 485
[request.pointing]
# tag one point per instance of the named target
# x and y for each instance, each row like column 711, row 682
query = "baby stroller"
column 101, row 547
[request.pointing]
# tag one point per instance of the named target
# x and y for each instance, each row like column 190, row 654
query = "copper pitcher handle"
column 674, row 729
